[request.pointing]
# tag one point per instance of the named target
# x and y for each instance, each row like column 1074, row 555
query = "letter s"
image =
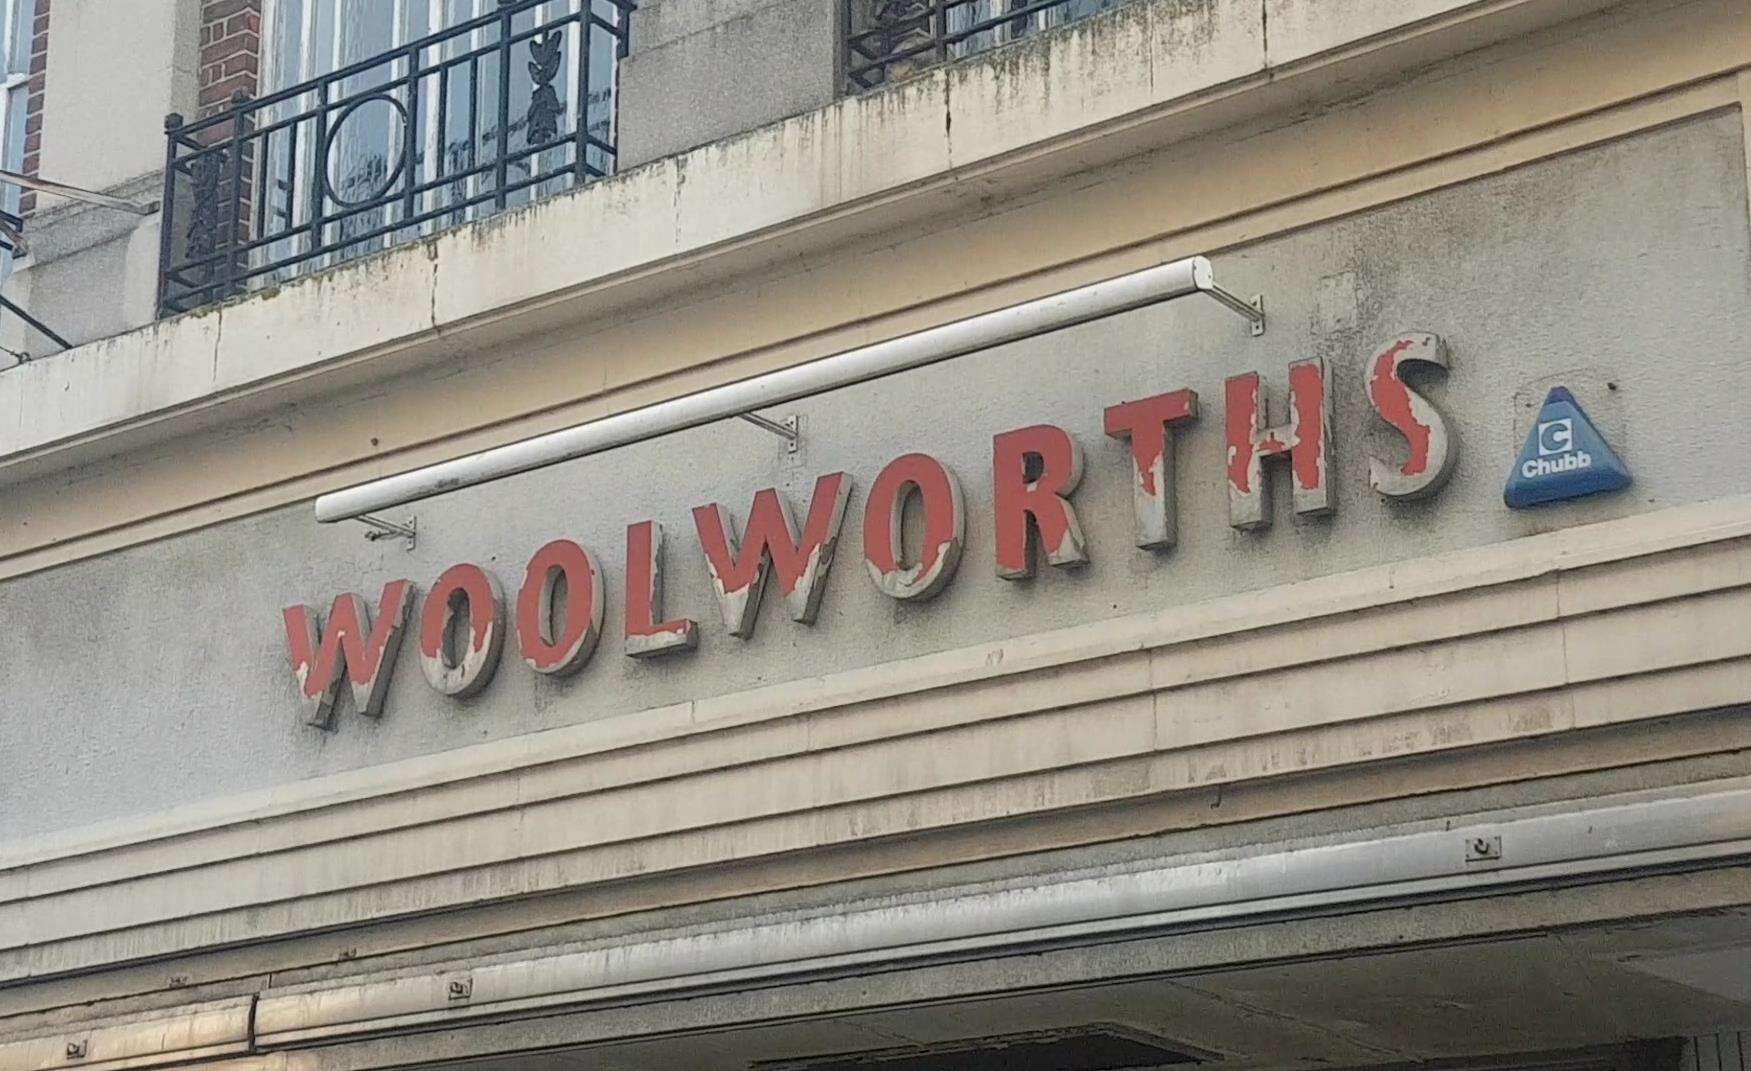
column 1433, row 450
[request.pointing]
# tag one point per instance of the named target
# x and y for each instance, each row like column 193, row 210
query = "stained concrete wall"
column 1535, row 276
column 701, row 70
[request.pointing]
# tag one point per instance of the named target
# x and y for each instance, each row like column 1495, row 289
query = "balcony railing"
column 887, row 40
column 487, row 114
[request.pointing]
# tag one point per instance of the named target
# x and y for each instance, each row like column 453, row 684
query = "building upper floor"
column 379, row 143
column 257, row 141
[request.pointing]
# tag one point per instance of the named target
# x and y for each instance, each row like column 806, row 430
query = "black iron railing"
column 436, row 132
column 887, row 40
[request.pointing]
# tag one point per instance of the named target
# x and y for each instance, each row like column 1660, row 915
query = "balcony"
column 493, row 112
column 490, row 113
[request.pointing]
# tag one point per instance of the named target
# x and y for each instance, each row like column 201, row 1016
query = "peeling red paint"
column 1392, row 400
column 945, row 523
column 1145, row 424
column 1042, row 506
column 1431, row 450
column 1304, row 439
column 644, row 634
column 1148, row 425
column 769, row 542
column 471, row 580
column 1241, row 421
column 349, row 649
column 565, row 653
column 476, row 665
column 1307, row 448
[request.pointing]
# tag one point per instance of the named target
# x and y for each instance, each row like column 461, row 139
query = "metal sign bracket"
column 382, row 529
column 1253, row 309
column 789, row 429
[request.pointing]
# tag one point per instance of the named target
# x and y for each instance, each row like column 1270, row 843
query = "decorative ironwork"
column 202, row 235
column 887, row 40
column 545, row 109
column 903, row 30
column 374, row 175
column 389, row 148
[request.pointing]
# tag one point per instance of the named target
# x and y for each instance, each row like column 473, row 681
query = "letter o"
column 945, row 527
column 474, row 587
column 565, row 653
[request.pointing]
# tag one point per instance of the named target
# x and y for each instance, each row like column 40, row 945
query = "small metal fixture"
column 1253, row 309
column 461, row 988
column 789, row 429
column 1483, row 850
column 382, row 529
column 78, row 1050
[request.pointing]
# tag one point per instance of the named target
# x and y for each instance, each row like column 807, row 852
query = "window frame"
column 318, row 57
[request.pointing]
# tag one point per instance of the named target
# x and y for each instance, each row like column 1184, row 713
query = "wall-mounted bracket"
column 789, row 429
column 1483, row 849
column 1253, row 310
column 382, row 529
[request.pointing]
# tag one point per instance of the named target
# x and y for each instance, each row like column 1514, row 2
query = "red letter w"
column 365, row 655
column 770, row 545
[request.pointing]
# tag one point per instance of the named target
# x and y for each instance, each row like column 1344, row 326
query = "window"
column 454, row 111
column 379, row 121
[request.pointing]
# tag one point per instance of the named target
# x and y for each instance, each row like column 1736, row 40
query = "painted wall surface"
column 699, row 72
column 92, row 273
column 1554, row 273
column 116, row 67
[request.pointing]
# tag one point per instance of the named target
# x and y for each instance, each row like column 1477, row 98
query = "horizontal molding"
column 188, row 1033
column 1491, row 643
column 1697, row 826
column 1683, row 828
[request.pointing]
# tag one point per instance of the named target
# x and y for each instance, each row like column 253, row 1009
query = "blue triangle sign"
column 1564, row 457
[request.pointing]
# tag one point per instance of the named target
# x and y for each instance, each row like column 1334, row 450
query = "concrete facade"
column 1490, row 290
column 702, row 72
column 1415, row 781
column 120, row 67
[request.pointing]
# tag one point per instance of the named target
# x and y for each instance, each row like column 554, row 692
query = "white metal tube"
column 1150, row 286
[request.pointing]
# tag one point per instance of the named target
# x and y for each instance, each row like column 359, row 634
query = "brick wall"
column 33, row 112
column 230, row 52
column 230, row 69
